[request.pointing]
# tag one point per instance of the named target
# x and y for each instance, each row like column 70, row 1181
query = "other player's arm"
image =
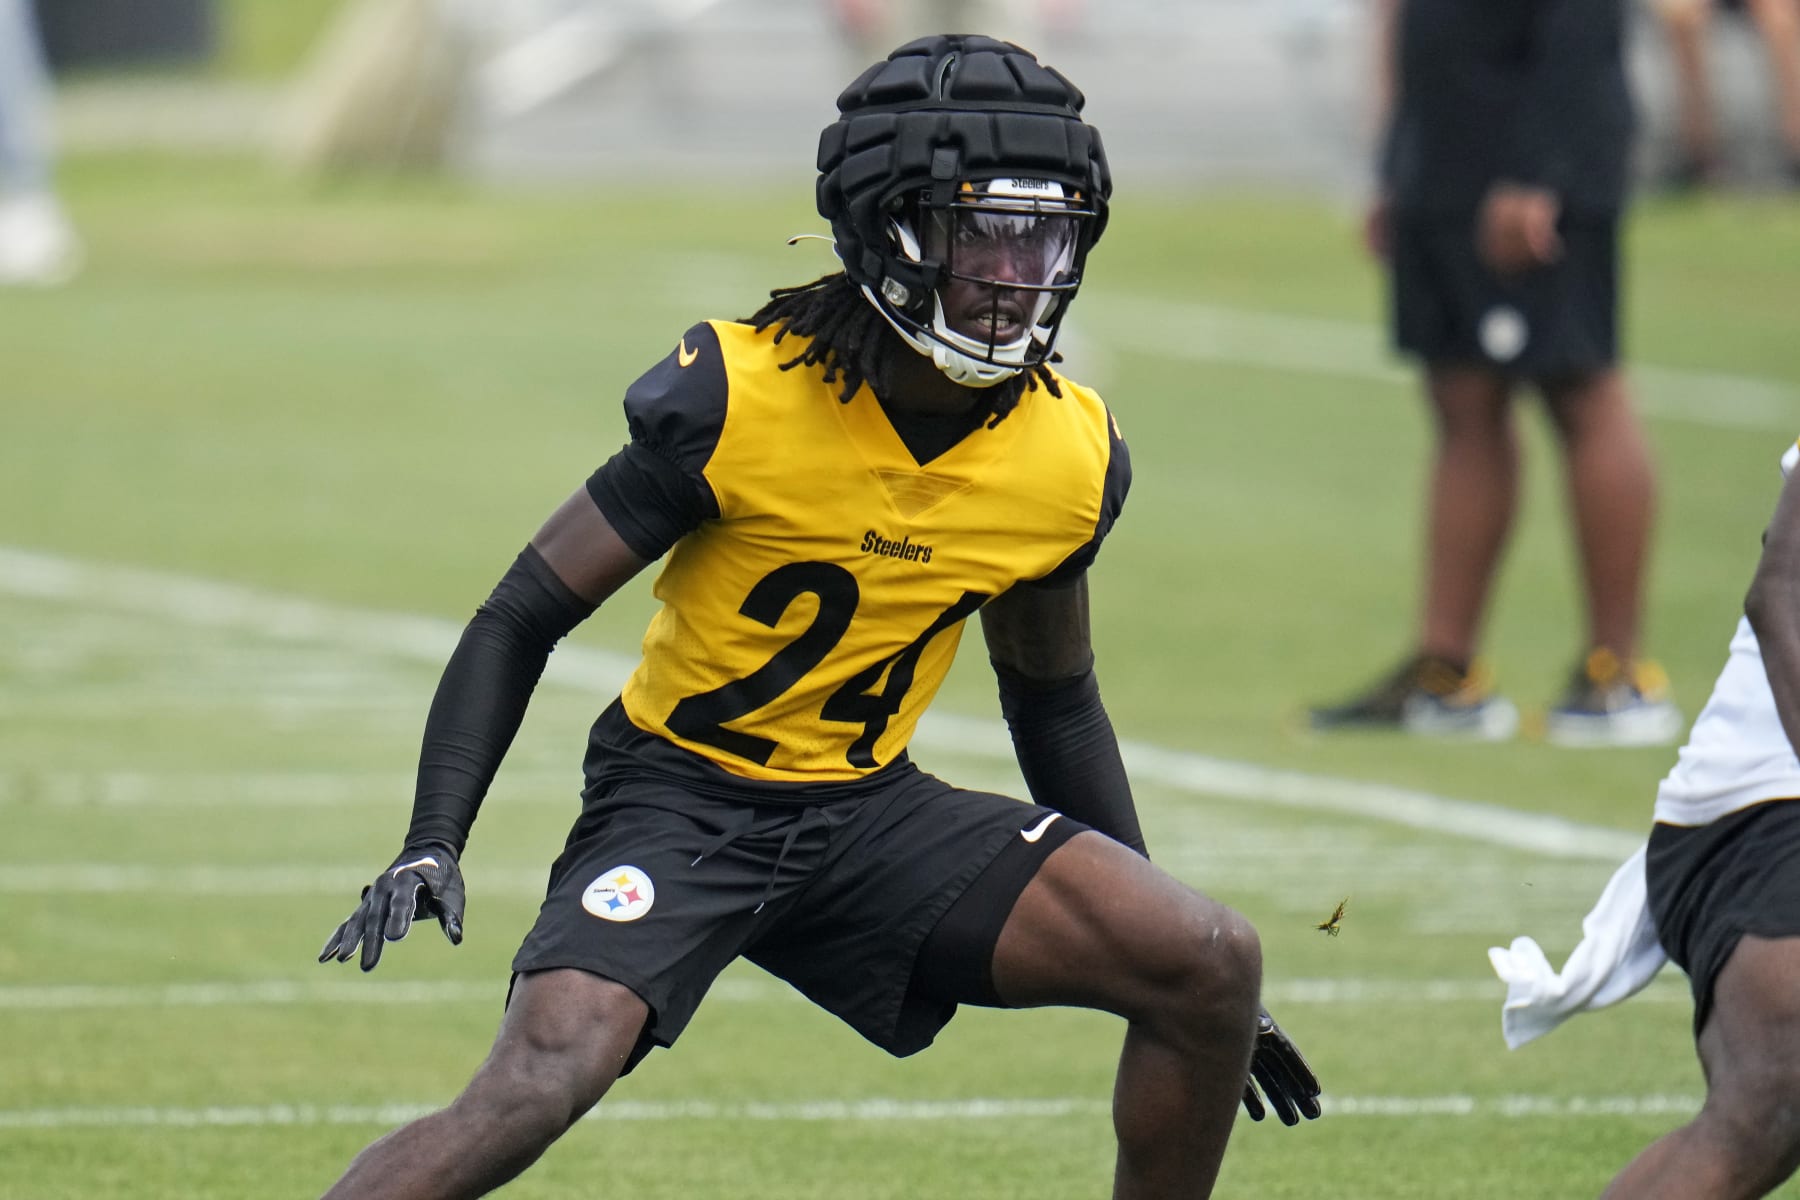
column 1039, row 641
column 573, row 563
column 1773, row 607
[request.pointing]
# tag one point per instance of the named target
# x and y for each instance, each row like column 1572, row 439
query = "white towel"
column 1617, row 956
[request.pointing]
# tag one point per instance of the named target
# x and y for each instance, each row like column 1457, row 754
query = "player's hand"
column 1517, row 230
column 1279, row 1069
column 423, row 882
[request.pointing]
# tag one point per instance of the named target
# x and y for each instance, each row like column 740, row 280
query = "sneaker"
column 38, row 247
column 1610, row 703
column 1690, row 174
column 1430, row 696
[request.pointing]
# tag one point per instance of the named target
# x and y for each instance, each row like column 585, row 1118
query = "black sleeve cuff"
column 651, row 501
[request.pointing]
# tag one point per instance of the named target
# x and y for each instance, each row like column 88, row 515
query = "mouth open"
column 998, row 323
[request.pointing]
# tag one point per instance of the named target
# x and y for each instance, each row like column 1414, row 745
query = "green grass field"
column 263, row 458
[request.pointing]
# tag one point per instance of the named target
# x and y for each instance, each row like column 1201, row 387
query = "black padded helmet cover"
column 938, row 111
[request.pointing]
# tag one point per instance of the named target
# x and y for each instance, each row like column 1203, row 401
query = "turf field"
column 260, row 462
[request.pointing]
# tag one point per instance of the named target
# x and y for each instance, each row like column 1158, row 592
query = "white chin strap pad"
column 970, row 372
column 957, row 367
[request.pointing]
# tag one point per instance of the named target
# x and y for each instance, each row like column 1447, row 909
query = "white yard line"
column 1355, row 350
column 1403, row 1107
column 353, row 989
column 210, row 604
column 124, row 879
column 260, row 789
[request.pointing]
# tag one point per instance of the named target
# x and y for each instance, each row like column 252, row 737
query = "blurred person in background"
column 1716, row 888
column 839, row 481
column 1687, row 23
column 870, row 27
column 1502, row 185
column 37, row 243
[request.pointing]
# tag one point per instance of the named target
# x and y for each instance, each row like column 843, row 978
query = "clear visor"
column 1005, row 248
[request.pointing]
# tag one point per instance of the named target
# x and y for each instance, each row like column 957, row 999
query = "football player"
column 834, row 485
column 1723, row 875
column 1716, row 889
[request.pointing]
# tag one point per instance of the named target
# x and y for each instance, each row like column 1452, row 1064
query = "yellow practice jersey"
column 805, row 628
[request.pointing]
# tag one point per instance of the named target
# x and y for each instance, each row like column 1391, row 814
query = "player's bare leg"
column 1779, row 23
column 1746, row 1139
column 1685, row 23
column 1612, row 500
column 565, row 1038
column 1100, row 927
column 1474, row 493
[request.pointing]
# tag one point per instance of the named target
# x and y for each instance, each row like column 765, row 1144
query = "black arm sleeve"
column 1068, row 752
column 481, row 698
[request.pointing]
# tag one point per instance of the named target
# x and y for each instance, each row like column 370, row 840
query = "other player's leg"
column 1473, row 497
column 1612, row 499
column 1746, row 1139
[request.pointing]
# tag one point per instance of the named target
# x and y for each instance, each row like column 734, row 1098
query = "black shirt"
column 1532, row 91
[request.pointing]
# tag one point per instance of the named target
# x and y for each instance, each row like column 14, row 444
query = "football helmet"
column 964, row 191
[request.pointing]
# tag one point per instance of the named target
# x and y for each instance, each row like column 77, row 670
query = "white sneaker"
column 1610, row 703
column 38, row 246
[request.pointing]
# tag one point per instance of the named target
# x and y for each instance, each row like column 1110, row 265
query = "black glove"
column 1277, row 1066
column 423, row 882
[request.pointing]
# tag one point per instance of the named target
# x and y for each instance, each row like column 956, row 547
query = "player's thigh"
column 1750, row 1047
column 1102, row 927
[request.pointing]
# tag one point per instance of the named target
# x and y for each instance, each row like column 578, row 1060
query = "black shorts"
column 1710, row 885
column 660, row 888
column 1447, row 307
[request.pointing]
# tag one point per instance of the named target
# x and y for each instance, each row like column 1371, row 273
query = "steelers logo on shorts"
column 619, row 894
column 1503, row 333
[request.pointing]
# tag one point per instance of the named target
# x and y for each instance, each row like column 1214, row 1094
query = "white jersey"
column 1737, row 753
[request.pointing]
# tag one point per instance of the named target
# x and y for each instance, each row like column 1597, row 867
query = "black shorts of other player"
column 1449, row 307
column 1710, row 885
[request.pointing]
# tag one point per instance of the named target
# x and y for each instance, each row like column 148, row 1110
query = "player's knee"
column 1773, row 1136
column 520, row 1115
column 1757, row 1114
column 1217, row 971
column 529, row 1096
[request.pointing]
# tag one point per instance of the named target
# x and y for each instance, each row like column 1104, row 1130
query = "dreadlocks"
column 852, row 340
